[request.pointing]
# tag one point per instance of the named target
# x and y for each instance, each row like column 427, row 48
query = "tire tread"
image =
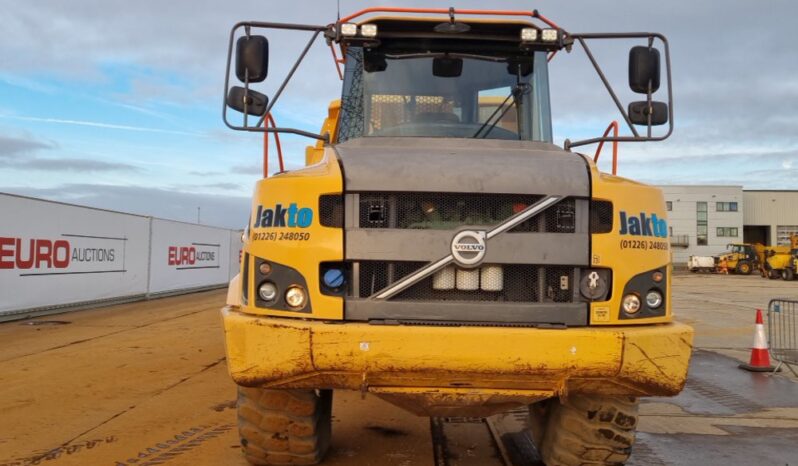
column 284, row 427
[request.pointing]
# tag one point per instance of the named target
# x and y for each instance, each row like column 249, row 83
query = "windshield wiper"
column 515, row 93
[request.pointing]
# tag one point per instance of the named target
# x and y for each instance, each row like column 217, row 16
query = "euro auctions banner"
column 185, row 255
column 60, row 254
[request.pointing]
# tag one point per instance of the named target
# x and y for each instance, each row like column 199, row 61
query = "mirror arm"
column 607, row 85
column 321, row 137
column 288, row 78
column 247, row 33
column 628, row 35
column 648, row 94
column 260, row 129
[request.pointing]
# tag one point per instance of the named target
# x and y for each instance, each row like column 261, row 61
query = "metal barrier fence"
column 783, row 332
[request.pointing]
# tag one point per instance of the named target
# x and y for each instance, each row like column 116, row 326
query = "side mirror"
column 249, row 102
column 640, row 111
column 252, row 58
column 643, row 68
column 446, row 67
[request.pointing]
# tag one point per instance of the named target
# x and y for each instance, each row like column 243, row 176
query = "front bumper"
column 407, row 361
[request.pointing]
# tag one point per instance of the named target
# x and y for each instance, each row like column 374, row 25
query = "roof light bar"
column 549, row 35
column 368, row 30
column 529, row 35
column 348, row 29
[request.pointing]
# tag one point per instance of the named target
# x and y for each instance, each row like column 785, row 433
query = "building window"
column 726, row 207
column 668, row 205
column 730, row 232
column 701, row 224
column 784, row 232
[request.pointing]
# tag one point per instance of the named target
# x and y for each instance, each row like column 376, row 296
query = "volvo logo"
column 468, row 248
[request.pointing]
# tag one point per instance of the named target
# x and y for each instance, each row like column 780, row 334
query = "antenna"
column 338, row 19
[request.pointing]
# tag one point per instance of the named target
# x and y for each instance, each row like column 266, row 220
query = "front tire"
column 743, row 268
column 279, row 427
column 788, row 274
column 586, row 430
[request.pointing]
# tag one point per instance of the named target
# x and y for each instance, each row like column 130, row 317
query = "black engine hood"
column 461, row 165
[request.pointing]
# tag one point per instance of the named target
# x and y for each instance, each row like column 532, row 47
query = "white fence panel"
column 185, row 255
column 236, row 247
column 54, row 254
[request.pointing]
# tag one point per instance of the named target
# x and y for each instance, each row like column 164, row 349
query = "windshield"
column 445, row 95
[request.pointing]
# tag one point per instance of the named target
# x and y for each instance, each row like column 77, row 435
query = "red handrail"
column 614, row 127
column 445, row 11
column 338, row 62
column 269, row 120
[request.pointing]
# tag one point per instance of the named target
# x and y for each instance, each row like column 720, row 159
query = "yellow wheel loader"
column 440, row 252
column 742, row 258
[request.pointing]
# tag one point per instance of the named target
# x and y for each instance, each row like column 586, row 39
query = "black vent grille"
column 331, row 210
column 501, row 283
column 450, row 211
column 601, row 216
column 245, row 279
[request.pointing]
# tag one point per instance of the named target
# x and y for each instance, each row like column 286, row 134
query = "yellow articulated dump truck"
column 439, row 251
column 780, row 261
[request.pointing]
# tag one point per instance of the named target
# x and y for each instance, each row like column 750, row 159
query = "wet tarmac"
column 146, row 383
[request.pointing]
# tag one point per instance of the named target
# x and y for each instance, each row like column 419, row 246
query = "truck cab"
column 441, row 252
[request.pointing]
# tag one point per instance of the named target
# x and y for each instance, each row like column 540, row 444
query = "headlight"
column 296, row 297
column 549, row 35
column 267, row 291
column 529, row 34
column 368, row 30
column 348, row 29
column 654, row 299
column 631, row 304
column 265, row 268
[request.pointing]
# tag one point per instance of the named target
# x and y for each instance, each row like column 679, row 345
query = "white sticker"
column 364, row 346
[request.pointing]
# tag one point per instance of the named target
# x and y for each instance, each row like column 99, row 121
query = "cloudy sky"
column 117, row 104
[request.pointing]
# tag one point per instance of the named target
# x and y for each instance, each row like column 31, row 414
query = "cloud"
column 11, row 146
column 204, row 173
column 20, row 153
column 221, row 185
column 735, row 82
column 95, row 124
column 249, row 169
column 217, row 210
column 72, row 165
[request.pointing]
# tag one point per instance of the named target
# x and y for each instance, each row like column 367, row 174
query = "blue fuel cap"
column 334, row 278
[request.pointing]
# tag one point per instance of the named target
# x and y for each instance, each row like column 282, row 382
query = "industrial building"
column 704, row 219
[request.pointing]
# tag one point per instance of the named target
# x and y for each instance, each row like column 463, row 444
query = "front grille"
column 331, row 210
column 600, row 216
column 450, row 211
column 515, row 283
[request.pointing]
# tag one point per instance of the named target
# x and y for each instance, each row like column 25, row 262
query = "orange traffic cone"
column 760, row 359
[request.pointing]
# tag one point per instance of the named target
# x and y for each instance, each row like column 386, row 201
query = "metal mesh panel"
column 331, row 210
column 392, row 110
column 449, row 211
column 489, row 282
column 561, row 218
column 600, row 216
column 559, row 284
column 376, row 275
column 352, row 121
